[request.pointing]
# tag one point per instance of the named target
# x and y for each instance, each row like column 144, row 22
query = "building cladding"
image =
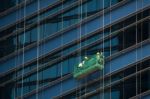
column 42, row 42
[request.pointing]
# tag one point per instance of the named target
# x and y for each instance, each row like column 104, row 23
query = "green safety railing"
column 89, row 65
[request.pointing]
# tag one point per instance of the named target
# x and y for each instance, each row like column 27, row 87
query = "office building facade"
column 42, row 42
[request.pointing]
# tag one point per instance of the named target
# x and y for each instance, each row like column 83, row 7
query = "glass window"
column 146, row 13
column 7, row 31
column 143, row 31
column 34, row 35
column 117, row 91
column 129, row 84
column 121, row 89
column 7, row 91
column 122, row 40
column 117, row 26
column 129, row 71
column 107, row 94
column 107, row 31
column 129, row 21
column 144, row 81
column 115, row 1
column 6, row 4
column 143, row 65
column 69, row 18
column 65, row 67
column 21, row 40
column 27, row 38
column 129, row 37
column 106, row 3
column 117, row 76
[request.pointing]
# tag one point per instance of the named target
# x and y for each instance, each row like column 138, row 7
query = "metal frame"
column 13, row 8
column 74, row 4
column 93, row 81
column 61, row 31
column 74, row 42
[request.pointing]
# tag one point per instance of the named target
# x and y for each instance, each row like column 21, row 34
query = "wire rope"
column 38, row 38
column 141, row 54
column 86, row 52
column 16, row 59
column 23, row 43
column 110, row 46
column 62, row 61
column 136, row 83
column 103, row 46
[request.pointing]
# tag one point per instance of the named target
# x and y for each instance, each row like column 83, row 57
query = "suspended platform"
column 89, row 65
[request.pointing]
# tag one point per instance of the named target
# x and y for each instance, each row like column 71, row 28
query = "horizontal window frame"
column 75, row 42
column 114, row 83
column 106, row 59
column 122, row 52
column 74, row 4
column 51, row 6
column 58, row 33
column 28, row 47
column 141, row 95
column 105, row 76
column 101, row 78
column 16, row 7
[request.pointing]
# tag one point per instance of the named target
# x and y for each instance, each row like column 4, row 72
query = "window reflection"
column 120, row 41
column 121, row 88
column 117, row 91
column 117, row 44
column 8, row 4
column 54, row 24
